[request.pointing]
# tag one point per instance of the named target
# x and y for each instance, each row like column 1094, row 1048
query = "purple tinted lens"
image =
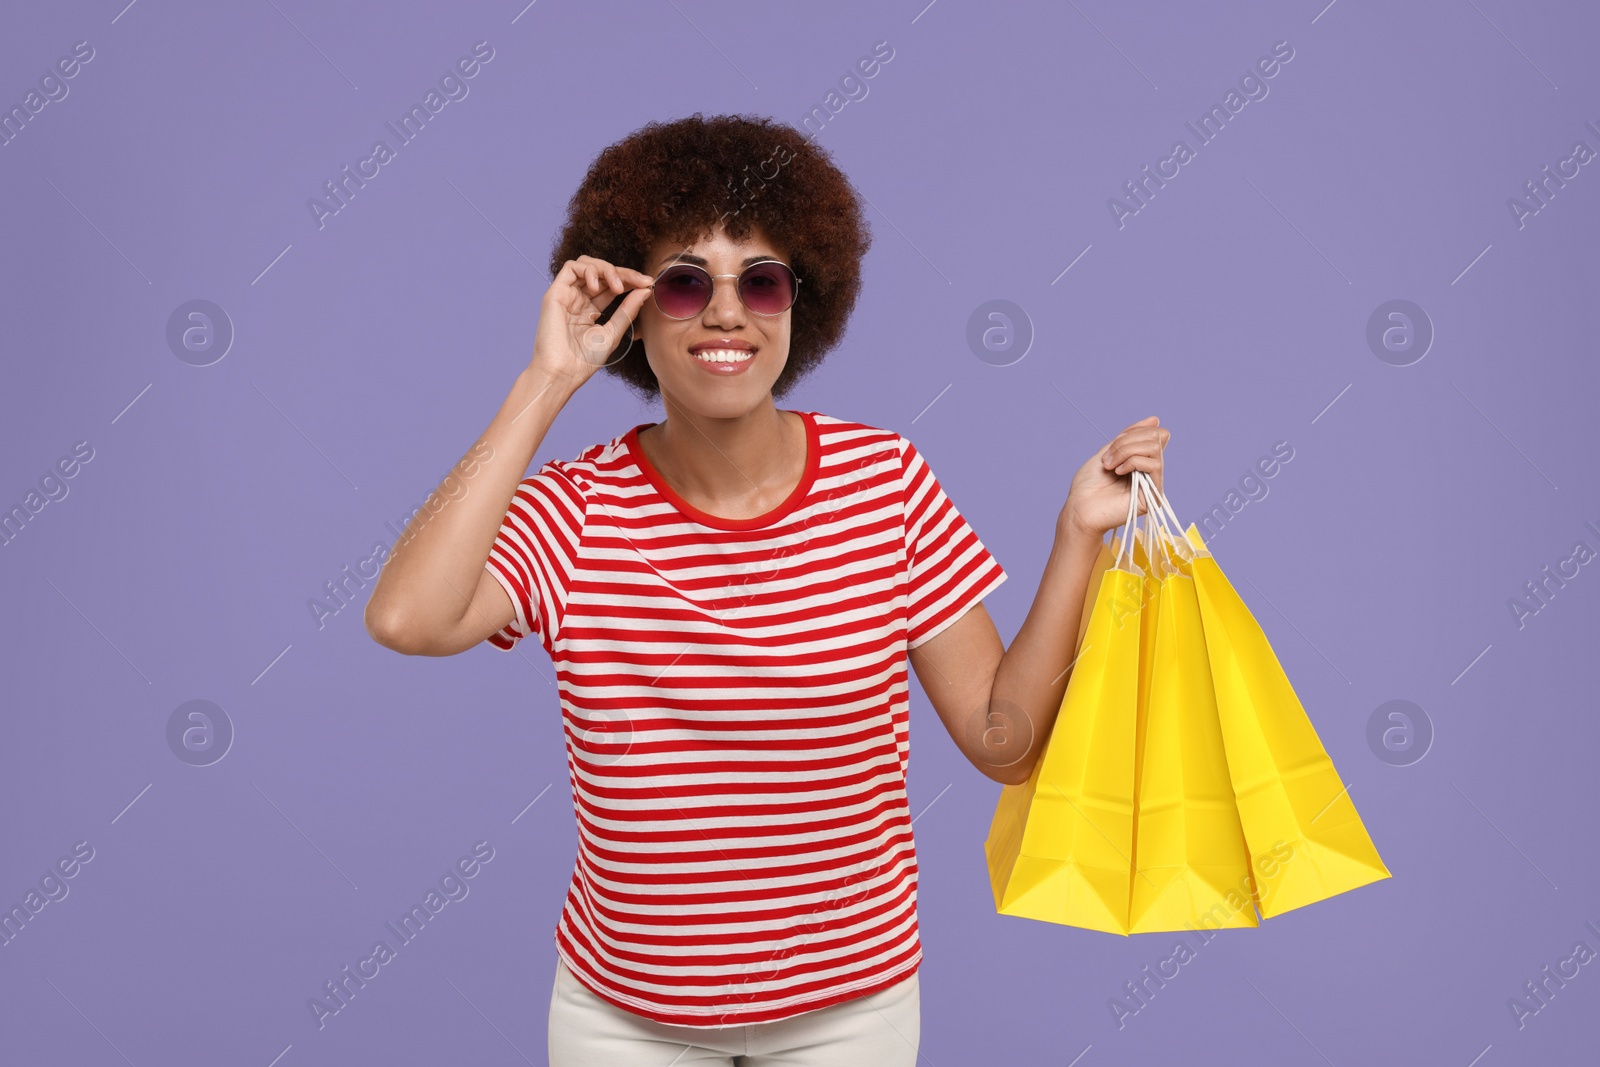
column 683, row 291
column 767, row 288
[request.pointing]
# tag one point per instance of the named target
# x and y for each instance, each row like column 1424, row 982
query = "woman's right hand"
column 568, row 344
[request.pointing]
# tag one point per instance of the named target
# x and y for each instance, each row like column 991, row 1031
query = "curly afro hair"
column 679, row 180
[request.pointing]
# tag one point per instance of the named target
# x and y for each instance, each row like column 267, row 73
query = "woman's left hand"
column 1098, row 498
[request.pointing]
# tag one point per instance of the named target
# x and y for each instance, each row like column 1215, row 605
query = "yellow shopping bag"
column 1306, row 841
column 1191, row 866
column 1182, row 785
column 1060, row 845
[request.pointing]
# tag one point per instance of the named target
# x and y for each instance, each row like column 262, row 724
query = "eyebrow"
column 700, row 262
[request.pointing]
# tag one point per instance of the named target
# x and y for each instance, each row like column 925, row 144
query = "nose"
column 725, row 309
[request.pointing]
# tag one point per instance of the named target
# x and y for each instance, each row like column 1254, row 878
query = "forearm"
column 426, row 586
column 1033, row 674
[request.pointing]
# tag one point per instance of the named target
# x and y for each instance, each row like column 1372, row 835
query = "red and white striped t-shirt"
column 735, row 701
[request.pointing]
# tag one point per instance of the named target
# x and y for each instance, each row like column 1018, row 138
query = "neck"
column 724, row 459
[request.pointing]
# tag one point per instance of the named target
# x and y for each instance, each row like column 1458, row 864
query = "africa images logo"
column 1252, row 88
column 453, row 87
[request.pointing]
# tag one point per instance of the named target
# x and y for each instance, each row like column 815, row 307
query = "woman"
column 730, row 597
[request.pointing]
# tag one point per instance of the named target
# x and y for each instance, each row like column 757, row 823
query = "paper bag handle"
column 1127, row 529
column 1180, row 541
column 1155, row 524
column 1139, row 483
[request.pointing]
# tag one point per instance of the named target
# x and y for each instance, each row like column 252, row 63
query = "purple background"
column 370, row 353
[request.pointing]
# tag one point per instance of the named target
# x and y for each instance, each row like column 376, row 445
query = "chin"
column 726, row 406
column 720, row 400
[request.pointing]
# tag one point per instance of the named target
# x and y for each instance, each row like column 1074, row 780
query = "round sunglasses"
column 768, row 287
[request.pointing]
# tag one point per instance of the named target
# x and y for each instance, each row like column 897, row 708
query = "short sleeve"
column 535, row 554
column 950, row 569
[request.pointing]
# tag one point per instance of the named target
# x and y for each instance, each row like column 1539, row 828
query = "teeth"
column 723, row 355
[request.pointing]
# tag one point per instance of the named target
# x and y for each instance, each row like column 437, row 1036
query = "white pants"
column 881, row 1029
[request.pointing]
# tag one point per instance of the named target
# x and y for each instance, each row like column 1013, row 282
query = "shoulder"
column 863, row 453
column 852, row 443
column 604, row 464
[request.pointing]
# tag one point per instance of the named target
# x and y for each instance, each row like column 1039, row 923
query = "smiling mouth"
column 724, row 355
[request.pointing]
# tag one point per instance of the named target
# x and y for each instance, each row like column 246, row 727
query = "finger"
column 1149, row 464
column 1116, row 449
column 617, row 278
column 1144, row 461
column 1149, row 440
column 594, row 305
column 1156, row 437
column 621, row 320
column 634, row 277
column 1111, row 446
column 572, row 299
column 1122, row 463
column 1137, row 432
column 599, row 341
column 580, row 276
column 626, row 312
column 1145, row 426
